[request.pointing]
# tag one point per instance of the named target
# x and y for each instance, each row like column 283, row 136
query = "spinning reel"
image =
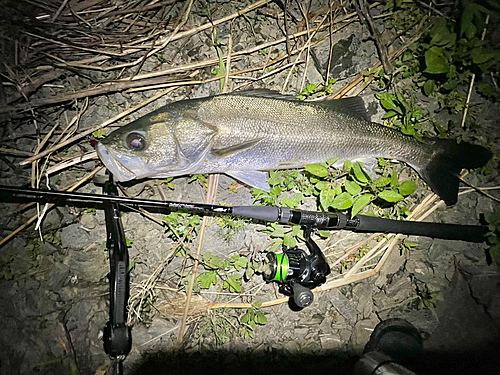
column 296, row 271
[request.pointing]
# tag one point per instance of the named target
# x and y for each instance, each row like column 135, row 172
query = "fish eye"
column 136, row 141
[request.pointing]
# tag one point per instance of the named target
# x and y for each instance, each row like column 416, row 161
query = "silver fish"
column 245, row 133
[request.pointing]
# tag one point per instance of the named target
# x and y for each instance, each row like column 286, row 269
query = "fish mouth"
column 111, row 161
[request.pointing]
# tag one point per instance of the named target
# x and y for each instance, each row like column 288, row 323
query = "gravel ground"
column 54, row 293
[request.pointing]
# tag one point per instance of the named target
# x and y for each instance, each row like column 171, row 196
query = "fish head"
column 156, row 145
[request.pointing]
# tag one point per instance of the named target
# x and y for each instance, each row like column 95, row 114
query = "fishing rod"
column 282, row 215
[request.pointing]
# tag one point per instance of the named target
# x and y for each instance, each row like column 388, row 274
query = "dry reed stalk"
column 212, row 191
column 228, row 61
column 126, row 83
column 87, row 177
column 70, row 162
column 473, row 78
column 304, row 14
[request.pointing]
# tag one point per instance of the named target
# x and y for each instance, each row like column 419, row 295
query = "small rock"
column 87, row 221
column 400, row 290
column 58, row 275
column 361, row 334
column 326, row 325
column 91, row 265
column 363, row 293
column 343, row 305
column 330, row 342
column 345, row 335
column 74, row 237
column 421, row 271
column 300, row 331
column 291, row 346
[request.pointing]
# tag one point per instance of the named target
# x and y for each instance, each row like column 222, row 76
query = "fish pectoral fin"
column 254, row 179
column 231, row 150
column 369, row 166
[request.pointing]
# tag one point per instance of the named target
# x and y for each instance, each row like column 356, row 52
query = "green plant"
column 311, row 89
column 229, row 225
column 181, row 225
column 220, row 273
column 250, row 319
column 168, row 182
column 220, row 71
column 201, row 178
column 350, row 188
column 99, row 134
column 402, row 113
column 407, row 245
column 426, row 297
column 34, row 251
column 493, row 237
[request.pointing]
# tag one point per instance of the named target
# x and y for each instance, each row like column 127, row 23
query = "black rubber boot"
column 397, row 339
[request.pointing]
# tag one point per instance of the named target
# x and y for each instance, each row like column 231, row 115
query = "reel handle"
column 302, row 296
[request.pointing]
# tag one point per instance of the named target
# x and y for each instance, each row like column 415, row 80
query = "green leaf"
column 322, row 185
column 382, row 181
column 389, row 114
column 317, row 170
column 240, row 263
column 99, row 134
column 274, row 178
column 332, row 161
column 326, row 198
column 352, row 187
column 429, row 86
column 390, row 196
column 441, row 36
column 342, row 201
column 347, row 166
column 257, row 304
column 387, row 101
column 492, row 218
column 207, row 279
column 407, row 187
column 233, row 283
column 289, row 241
column 495, row 253
column 324, row 233
column 216, row 262
column 482, row 55
column 394, row 179
column 246, row 317
column 294, row 201
column 260, row 318
column 436, row 61
column 361, row 202
column 359, row 173
column 207, row 256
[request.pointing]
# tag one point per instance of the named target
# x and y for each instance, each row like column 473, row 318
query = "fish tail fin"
column 443, row 170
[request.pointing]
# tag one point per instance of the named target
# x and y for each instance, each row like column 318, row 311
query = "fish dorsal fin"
column 354, row 106
column 265, row 93
column 231, row 150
